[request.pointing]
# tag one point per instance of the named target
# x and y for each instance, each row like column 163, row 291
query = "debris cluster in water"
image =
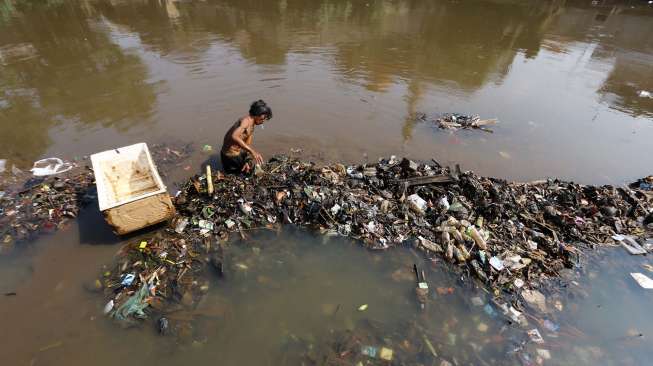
column 512, row 237
column 456, row 121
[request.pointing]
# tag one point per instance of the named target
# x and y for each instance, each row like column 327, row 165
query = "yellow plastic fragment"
column 385, row 354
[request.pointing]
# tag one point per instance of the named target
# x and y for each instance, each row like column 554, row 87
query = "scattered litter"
column 643, row 280
column 108, row 307
column 386, row 354
column 206, row 225
column 647, row 267
column 134, row 305
column 535, row 336
column 128, row 279
column 544, row 353
column 645, row 93
column 455, row 121
column 535, row 299
column 551, row 326
column 51, row 346
column 362, row 307
column 181, row 225
column 417, row 204
column 631, row 245
column 496, row 263
column 3, row 165
column 369, row 351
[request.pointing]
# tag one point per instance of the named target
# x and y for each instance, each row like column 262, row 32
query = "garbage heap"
column 41, row 206
column 498, row 230
column 507, row 235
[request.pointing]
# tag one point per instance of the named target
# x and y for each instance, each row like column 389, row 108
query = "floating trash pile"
column 512, row 237
column 456, row 121
column 42, row 206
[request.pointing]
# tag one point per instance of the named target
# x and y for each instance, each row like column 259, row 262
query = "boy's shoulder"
column 245, row 121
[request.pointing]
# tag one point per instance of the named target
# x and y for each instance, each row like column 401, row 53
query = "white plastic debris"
column 535, row 299
column 205, row 225
column 3, row 165
column 50, row 166
column 645, row 93
column 245, row 207
column 496, row 263
column 335, row 209
column 514, row 314
column 351, row 171
column 544, row 353
column 444, row 203
column 643, row 280
column 181, row 225
column 535, row 336
column 417, row 203
column 108, row 307
column 477, row 301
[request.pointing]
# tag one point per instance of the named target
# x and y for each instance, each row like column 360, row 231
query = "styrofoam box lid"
column 125, row 175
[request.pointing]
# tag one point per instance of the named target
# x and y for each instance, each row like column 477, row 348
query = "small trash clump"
column 41, row 206
column 456, row 121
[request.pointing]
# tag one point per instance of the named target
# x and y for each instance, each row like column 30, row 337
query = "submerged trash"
column 535, row 336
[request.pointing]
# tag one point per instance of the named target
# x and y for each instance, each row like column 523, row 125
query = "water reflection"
column 326, row 64
column 59, row 67
column 375, row 43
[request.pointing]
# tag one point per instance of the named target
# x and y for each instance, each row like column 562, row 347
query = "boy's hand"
column 257, row 157
column 246, row 168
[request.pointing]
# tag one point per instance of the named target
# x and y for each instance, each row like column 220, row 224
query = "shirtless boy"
column 237, row 145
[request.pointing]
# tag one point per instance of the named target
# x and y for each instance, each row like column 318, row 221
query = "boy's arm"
column 236, row 136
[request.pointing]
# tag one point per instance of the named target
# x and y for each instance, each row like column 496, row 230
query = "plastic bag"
column 134, row 305
column 50, row 166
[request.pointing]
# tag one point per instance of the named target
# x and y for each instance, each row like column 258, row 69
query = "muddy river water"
column 344, row 78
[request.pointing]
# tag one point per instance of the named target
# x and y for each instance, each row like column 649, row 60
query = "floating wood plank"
column 420, row 181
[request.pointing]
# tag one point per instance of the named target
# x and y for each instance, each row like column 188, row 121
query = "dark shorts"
column 234, row 164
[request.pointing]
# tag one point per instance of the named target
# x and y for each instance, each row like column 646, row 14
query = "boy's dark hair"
column 259, row 108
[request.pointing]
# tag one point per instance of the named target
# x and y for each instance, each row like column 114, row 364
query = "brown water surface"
column 343, row 79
